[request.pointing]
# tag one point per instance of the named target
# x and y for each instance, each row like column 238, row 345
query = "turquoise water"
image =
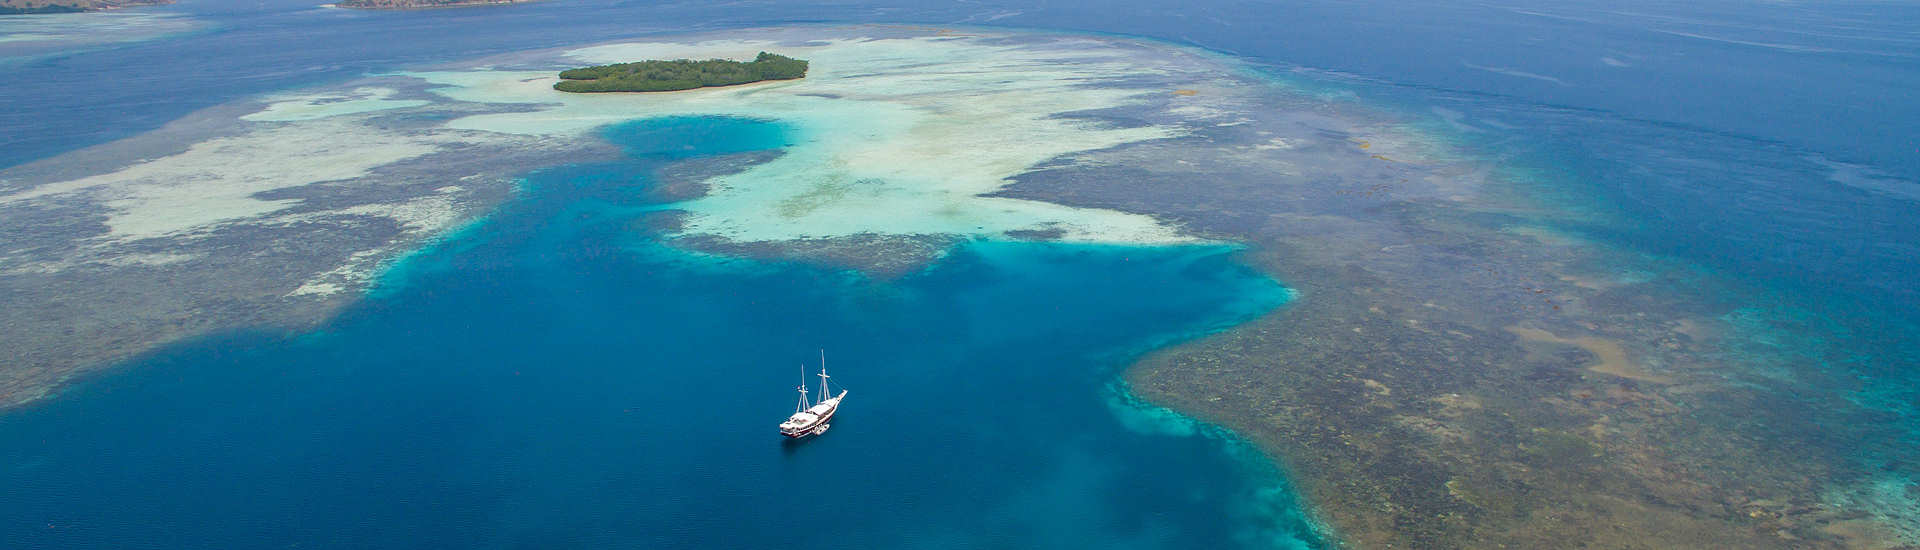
column 1767, row 143
column 555, row 377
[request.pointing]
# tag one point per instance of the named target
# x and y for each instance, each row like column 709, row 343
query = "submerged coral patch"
column 220, row 180
column 898, row 136
column 323, row 105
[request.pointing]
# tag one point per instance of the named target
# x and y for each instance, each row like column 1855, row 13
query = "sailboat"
column 811, row 418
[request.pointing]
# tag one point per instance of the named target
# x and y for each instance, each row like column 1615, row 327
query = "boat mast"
column 824, row 392
column 803, row 390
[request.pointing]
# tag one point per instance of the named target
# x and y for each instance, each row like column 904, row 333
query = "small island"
column 29, row 7
column 419, row 4
column 679, row 74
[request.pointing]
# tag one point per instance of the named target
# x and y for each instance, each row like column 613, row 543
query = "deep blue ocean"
column 551, row 378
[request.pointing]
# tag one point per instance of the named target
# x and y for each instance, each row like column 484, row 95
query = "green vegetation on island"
column 679, row 74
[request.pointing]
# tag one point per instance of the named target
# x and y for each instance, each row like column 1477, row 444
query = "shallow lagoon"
column 1623, row 152
column 554, row 376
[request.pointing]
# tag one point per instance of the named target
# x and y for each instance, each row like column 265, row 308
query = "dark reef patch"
column 1452, row 378
column 878, row 256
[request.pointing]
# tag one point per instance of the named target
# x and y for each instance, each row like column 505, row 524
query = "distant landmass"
column 19, row 7
column 679, row 74
column 419, row 4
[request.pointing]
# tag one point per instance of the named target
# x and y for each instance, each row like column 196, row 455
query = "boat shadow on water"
column 791, row 445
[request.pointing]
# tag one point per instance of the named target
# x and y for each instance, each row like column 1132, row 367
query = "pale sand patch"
column 1275, row 144
column 353, row 274
column 1604, row 281
column 216, row 181
column 160, row 259
column 1403, row 143
column 15, row 266
column 1546, row 236
column 895, row 136
column 1613, row 358
column 1197, row 109
column 1588, row 282
column 316, row 288
column 323, row 105
column 428, row 216
column 27, row 37
column 1893, row 512
column 1700, row 330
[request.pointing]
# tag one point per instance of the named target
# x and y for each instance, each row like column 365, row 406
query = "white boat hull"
column 812, row 421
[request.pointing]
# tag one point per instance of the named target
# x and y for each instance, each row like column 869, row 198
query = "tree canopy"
column 679, row 74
